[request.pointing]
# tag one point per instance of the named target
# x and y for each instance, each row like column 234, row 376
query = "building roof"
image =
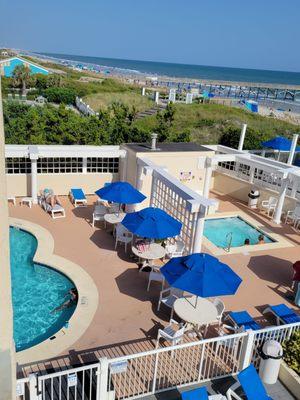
column 9, row 64
column 166, row 147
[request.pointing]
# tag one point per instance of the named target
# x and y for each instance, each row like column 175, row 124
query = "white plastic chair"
column 156, row 276
column 293, row 216
column 171, row 335
column 220, row 306
column 269, row 205
column 168, row 297
column 98, row 214
column 175, row 249
column 123, row 235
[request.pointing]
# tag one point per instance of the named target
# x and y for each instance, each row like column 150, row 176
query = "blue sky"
column 251, row 34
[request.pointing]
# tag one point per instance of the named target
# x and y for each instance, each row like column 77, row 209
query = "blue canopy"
column 120, row 192
column 279, row 143
column 152, row 223
column 202, row 275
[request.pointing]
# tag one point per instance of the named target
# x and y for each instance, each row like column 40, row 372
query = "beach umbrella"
column 279, row 143
column 152, row 223
column 202, row 275
column 120, row 192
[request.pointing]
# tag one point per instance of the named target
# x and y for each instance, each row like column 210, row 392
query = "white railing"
column 154, row 371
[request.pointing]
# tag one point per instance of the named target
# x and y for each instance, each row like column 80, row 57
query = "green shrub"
column 60, row 95
column 291, row 352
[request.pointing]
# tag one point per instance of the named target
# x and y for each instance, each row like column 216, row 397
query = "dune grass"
column 207, row 122
column 102, row 100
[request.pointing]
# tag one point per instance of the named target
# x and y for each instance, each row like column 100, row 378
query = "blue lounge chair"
column 78, row 197
column 242, row 319
column 283, row 314
column 251, row 384
column 200, row 394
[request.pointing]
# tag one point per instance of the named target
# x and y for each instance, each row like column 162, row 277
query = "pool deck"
column 126, row 320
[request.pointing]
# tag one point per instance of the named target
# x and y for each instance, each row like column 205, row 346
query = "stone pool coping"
column 280, row 241
column 87, row 296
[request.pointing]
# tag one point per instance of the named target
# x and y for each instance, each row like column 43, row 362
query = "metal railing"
column 154, row 371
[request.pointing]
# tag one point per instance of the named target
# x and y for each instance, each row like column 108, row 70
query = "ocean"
column 195, row 72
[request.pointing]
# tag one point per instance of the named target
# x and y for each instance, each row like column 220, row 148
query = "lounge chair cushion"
column 78, row 194
column 252, row 384
column 285, row 313
column 243, row 318
column 195, row 394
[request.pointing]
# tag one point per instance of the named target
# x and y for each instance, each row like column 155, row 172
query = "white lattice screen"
column 164, row 196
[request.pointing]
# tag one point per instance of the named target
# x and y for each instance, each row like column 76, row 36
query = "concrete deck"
column 126, row 320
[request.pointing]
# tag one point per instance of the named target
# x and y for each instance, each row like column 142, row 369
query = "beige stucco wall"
column 175, row 162
column 239, row 190
column 62, row 183
column 19, row 185
column 182, row 162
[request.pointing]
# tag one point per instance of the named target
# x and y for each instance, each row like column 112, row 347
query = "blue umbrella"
column 152, row 223
column 279, row 143
column 120, row 192
column 202, row 275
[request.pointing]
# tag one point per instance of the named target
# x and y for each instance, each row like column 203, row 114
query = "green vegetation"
column 213, row 123
column 291, row 351
column 103, row 100
column 60, row 95
column 21, row 77
column 57, row 125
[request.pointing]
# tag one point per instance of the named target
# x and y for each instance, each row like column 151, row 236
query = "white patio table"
column 197, row 311
column 153, row 251
column 114, row 219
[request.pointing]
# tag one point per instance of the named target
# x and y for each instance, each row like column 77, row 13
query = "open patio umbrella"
column 279, row 143
column 202, row 275
column 120, row 192
column 152, row 223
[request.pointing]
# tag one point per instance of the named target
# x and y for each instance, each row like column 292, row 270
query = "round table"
column 153, row 251
column 114, row 218
column 196, row 310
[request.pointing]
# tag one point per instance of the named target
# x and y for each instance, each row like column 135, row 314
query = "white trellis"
column 180, row 202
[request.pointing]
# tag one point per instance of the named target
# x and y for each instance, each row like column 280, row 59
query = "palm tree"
column 21, row 75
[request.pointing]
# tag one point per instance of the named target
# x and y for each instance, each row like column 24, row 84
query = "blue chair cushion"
column 252, row 384
column 78, row 194
column 243, row 318
column 195, row 394
column 285, row 313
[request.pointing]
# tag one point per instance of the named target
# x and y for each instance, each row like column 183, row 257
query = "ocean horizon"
column 175, row 70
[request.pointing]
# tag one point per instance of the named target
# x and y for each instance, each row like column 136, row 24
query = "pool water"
column 216, row 229
column 36, row 291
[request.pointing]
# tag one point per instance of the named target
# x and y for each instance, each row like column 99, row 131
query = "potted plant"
column 290, row 368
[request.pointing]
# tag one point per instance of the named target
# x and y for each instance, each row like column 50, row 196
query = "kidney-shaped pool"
column 37, row 290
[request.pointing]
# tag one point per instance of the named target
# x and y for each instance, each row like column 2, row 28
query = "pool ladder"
column 229, row 242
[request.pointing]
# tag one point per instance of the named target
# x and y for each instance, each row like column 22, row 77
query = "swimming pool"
column 217, row 231
column 36, row 291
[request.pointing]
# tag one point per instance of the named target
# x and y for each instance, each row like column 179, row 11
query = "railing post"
column 33, row 387
column 102, row 379
column 247, row 350
column 155, row 373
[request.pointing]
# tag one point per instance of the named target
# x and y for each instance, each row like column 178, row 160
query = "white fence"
column 158, row 370
column 83, row 107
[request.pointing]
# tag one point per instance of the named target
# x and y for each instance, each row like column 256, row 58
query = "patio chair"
column 251, row 384
column 293, row 216
column 77, row 197
column 200, row 394
column 123, row 236
column 156, row 276
column 220, row 306
column 269, row 205
column 98, row 214
column 168, row 297
column 283, row 314
column 242, row 319
column 170, row 334
column 175, row 249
